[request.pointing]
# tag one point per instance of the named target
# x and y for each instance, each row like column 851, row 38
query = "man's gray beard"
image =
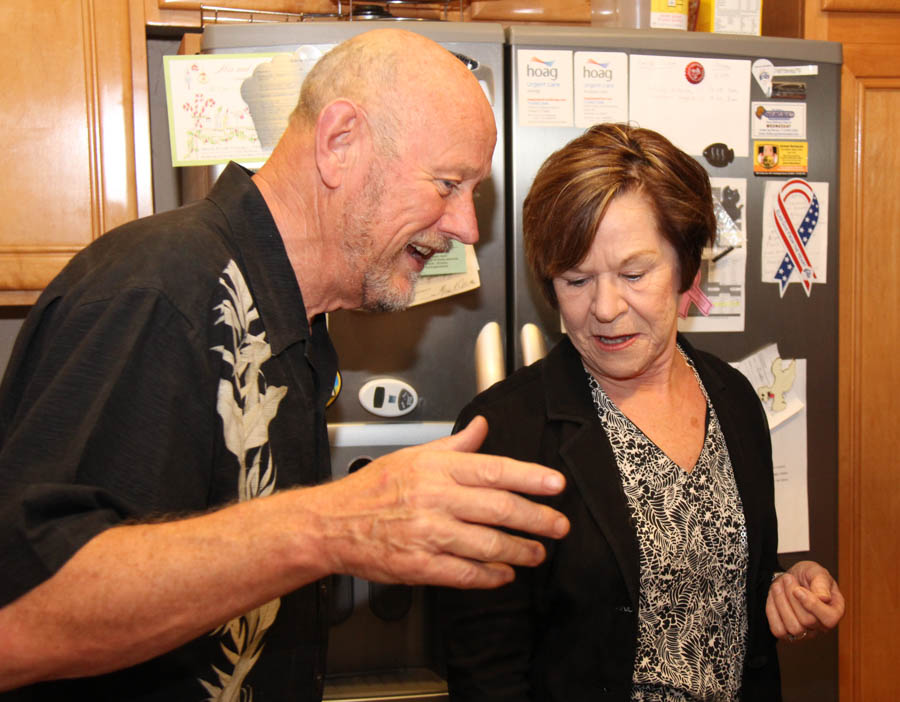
column 379, row 295
column 377, row 291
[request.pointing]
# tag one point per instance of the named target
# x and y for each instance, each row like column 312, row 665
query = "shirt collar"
column 263, row 258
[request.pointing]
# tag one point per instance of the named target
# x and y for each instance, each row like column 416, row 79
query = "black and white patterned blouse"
column 693, row 562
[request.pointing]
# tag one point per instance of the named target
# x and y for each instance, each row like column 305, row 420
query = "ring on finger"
column 797, row 637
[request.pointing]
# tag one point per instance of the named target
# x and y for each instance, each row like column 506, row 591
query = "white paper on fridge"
column 601, row 87
column 225, row 107
column 789, row 461
column 545, row 87
column 774, row 380
column 694, row 102
column 781, row 385
column 723, row 268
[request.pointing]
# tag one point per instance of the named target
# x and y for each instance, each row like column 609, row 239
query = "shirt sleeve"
column 104, row 417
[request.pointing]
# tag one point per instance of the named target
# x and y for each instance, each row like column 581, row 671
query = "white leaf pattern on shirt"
column 247, row 404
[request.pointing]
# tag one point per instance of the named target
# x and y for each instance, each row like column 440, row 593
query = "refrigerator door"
column 804, row 327
column 382, row 644
column 529, row 146
column 429, row 346
column 403, row 376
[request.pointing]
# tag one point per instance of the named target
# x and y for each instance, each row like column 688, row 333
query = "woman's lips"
column 614, row 343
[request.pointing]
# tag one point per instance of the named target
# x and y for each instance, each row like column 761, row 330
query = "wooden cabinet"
column 67, row 134
column 869, row 507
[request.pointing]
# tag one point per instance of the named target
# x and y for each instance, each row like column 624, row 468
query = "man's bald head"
column 399, row 78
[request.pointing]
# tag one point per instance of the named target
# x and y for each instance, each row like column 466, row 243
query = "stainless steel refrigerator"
column 722, row 98
column 420, row 365
column 403, row 376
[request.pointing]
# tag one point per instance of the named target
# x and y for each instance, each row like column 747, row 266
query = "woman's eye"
column 632, row 277
column 576, row 282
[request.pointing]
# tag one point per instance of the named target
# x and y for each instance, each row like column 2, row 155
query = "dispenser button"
column 388, row 397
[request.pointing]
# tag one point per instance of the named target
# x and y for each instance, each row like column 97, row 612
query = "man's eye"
column 447, row 186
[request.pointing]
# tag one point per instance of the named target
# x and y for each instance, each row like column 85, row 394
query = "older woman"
column 667, row 587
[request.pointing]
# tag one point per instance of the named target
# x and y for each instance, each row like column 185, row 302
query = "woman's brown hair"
column 575, row 185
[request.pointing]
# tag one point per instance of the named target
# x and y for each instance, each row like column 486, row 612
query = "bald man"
column 164, row 408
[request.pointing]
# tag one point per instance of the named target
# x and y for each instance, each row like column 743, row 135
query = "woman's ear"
column 340, row 133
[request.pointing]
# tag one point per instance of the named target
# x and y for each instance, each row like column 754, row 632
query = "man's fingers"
column 476, row 542
column 498, row 508
column 451, row 571
column 483, row 470
column 466, row 440
column 483, row 490
column 456, row 554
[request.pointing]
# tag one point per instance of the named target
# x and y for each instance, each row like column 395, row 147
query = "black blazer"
column 567, row 630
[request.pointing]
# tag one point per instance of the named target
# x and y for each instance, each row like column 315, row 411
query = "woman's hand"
column 804, row 601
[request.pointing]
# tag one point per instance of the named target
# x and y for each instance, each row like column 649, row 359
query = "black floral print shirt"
column 693, row 562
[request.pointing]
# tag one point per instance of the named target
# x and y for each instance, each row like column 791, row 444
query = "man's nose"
column 459, row 220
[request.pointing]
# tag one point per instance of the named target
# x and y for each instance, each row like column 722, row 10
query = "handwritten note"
column 694, row 102
column 437, row 287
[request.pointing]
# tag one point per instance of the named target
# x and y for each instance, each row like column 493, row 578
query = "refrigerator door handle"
column 533, row 346
column 489, row 364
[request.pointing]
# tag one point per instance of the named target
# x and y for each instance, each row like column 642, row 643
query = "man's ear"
column 340, row 131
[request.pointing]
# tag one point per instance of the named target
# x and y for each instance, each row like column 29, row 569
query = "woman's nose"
column 608, row 302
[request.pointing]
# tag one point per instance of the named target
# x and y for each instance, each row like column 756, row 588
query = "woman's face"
column 619, row 305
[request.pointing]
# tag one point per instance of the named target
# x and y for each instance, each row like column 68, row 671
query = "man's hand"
column 427, row 515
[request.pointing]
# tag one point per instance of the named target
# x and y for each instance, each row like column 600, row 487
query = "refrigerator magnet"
column 762, row 71
column 718, row 154
column 694, row 296
column 782, row 158
column 778, row 120
column 795, row 234
column 788, row 90
column 771, row 79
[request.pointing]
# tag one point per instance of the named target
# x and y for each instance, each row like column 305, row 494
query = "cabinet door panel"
column 861, row 5
column 870, row 332
column 66, row 131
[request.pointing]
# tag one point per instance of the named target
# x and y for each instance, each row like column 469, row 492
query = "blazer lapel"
column 589, row 458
